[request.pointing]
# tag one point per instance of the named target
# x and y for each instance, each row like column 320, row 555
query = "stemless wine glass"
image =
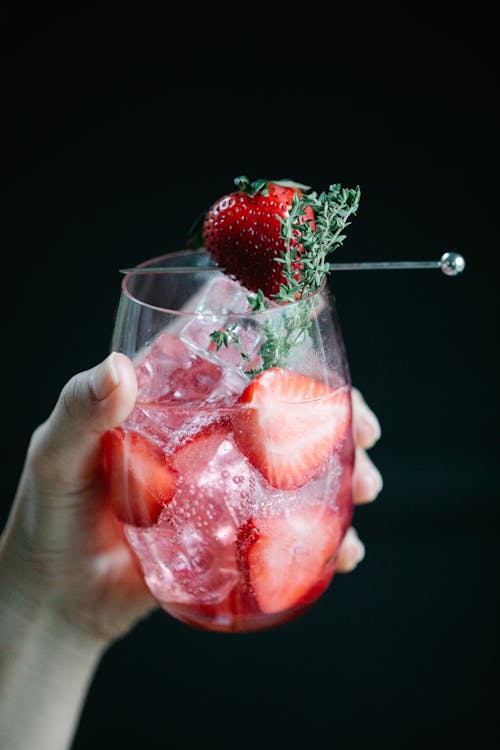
column 232, row 476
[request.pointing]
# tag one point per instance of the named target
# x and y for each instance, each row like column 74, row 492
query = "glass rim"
column 185, row 270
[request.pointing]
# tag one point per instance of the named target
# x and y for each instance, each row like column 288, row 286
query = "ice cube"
column 224, row 308
column 223, row 295
column 228, row 389
column 171, row 372
column 179, row 392
column 169, row 426
column 191, row 559
column 243, row 340
column 153, row 549
column 214, row 472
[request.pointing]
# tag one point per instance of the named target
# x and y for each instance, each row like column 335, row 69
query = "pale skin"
column 68, row 585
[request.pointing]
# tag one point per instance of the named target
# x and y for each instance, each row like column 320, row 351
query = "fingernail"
column 105, row 378
column 372, row 424
column 360, row 553
column 373, row 479
column 355, row 549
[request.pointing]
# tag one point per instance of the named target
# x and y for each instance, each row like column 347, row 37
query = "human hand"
column 64, row 547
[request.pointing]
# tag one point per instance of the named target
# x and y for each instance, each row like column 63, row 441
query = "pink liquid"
column 229, row 552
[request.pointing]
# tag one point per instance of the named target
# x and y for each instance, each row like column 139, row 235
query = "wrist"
column 48, row 636
column 46, row 666
column 28, row 606
column 41, row 620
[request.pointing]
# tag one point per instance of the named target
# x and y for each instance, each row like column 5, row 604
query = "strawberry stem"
column 252, row 188
column 242, row 183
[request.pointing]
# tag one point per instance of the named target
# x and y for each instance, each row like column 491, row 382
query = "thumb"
column 66, row 449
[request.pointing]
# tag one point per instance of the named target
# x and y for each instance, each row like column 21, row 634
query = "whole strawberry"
column 242, row 231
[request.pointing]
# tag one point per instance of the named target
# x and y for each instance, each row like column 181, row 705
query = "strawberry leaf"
column 293, row 184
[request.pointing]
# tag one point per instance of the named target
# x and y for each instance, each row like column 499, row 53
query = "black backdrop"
column 118, row 133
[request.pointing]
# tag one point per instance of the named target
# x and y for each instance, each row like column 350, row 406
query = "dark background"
column 118, row 132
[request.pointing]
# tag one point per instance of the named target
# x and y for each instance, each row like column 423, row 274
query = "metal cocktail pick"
column 451, row 264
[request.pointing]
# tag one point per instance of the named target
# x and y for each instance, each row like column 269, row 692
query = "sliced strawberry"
column 288, row 425
column 139, row 481
column 288, row 559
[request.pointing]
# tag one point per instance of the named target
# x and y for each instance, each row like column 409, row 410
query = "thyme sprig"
column 226, row 336
column 309, row 242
